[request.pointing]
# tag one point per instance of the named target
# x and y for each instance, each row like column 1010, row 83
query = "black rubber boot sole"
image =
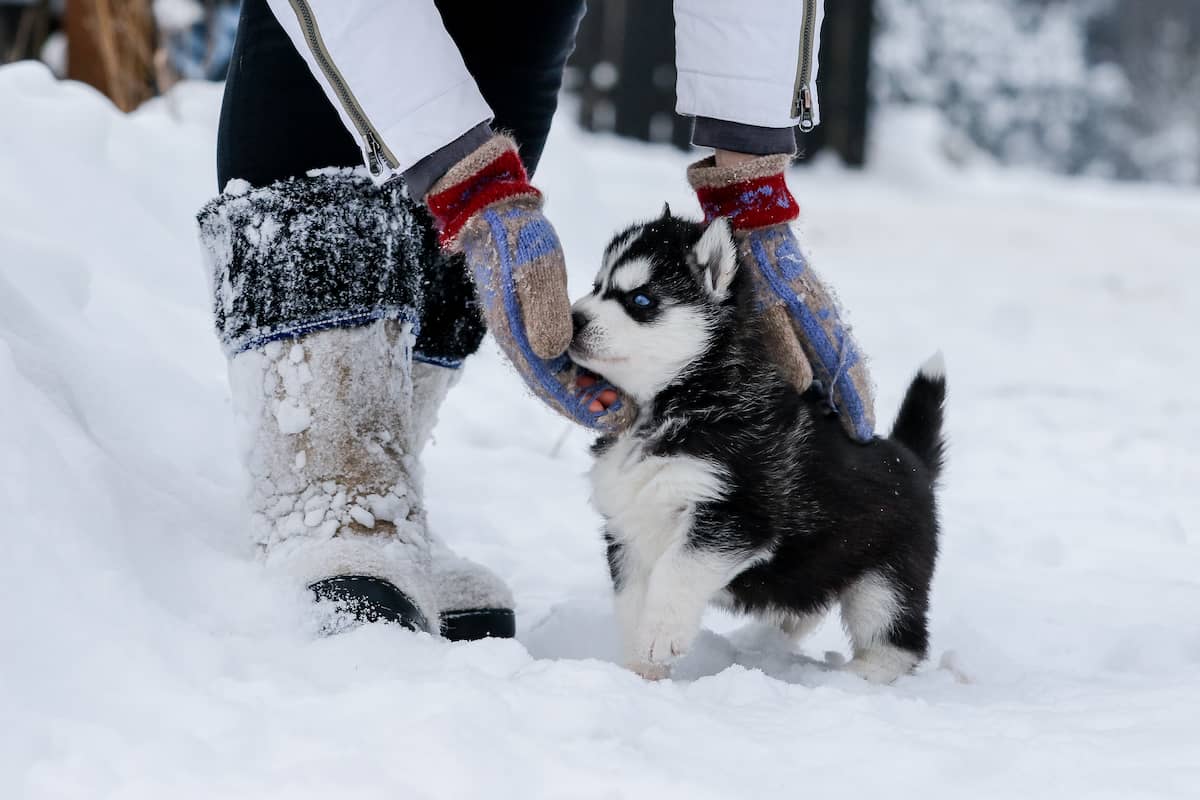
column 469, row 625
column 368, row 599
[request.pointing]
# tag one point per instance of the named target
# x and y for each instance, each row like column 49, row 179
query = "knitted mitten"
column 485, row 207
column 801, row 317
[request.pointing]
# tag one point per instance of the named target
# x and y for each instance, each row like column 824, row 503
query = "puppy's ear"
column 714, row 258
column 666, row 211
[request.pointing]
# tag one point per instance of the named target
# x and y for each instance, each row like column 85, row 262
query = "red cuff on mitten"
column 492, row 173
column 752, row 195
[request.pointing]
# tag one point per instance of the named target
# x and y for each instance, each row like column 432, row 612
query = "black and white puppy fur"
column 732, row 487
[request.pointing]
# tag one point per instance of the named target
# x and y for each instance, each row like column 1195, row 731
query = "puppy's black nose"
column 579, row 321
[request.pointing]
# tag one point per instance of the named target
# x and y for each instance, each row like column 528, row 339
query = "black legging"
column 277, row 123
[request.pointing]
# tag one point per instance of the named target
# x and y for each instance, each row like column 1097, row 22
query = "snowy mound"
column 145, row 654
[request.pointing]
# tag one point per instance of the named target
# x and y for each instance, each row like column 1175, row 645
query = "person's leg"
column 517, row 52
column 320, row 284
column 276, row 126
column 275, row 121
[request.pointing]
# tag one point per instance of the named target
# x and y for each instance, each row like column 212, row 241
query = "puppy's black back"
column 832, row 510
column 823, row 518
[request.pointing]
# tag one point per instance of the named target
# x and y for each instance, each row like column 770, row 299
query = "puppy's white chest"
column 648, row 500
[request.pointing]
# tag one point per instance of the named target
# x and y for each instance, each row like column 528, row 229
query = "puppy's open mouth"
column 586, row 358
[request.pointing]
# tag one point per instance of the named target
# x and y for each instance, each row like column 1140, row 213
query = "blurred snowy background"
column 145, row 654
column 1107, row 88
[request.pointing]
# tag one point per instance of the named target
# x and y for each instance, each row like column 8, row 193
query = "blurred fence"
column 1101, row 87
column 624, row 71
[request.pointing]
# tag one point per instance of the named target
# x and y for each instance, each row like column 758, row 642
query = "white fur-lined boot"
column 318, row 288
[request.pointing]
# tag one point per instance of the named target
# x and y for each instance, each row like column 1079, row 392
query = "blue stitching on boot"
column 438, row 361
column 296, row 330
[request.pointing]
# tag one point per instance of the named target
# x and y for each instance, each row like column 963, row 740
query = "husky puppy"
column 733, row 488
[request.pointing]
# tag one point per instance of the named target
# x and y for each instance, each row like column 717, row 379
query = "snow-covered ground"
column 143, row 654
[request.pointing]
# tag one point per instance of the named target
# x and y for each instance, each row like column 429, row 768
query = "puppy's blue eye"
column 641, row 300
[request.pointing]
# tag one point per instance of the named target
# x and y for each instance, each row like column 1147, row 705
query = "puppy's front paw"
column 651, row 672
column 657, row 646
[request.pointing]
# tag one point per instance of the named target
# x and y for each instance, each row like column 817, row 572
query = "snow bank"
column 144, row 654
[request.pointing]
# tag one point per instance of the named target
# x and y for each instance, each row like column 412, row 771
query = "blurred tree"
column 24, row 26
column 1109, row 88
column 110, row 45
column 1157, row 44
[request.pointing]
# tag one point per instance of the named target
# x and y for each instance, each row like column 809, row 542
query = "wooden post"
column 110, row 45
column 645, row 101
column 625, row 53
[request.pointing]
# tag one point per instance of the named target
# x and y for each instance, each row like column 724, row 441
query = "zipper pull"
column 803, row 107
column 374, row 155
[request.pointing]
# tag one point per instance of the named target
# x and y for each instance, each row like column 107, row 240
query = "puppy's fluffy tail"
column 919, row 423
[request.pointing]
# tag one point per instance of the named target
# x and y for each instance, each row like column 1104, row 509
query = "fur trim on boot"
column 307, row 254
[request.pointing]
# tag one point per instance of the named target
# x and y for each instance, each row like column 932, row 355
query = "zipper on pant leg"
column 379, row 157
column 802, row 97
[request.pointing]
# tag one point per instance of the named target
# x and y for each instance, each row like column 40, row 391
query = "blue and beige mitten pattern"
column 486, row 208
column 801, row 318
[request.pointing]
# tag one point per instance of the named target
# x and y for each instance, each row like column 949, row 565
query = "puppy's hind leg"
column 798, row 626
column 680, row 586
column 886, row 628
